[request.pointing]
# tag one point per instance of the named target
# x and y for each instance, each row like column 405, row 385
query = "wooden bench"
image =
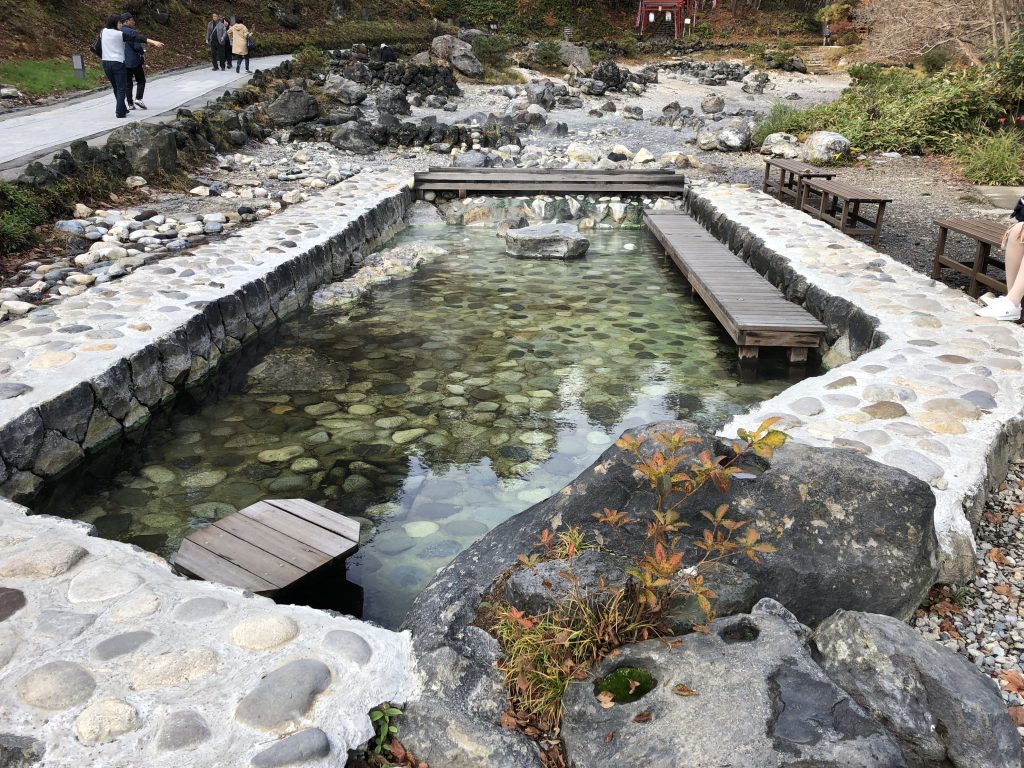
column 268, row 546
column 792, row 174
column 839, row 194
column 752, row 311
column 549, row 180
column 986, row 234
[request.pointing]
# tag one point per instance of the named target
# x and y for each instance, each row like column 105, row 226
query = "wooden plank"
column 259, row 535
column 752, row 311
column 589, row 187
column 246, row 556
column 551, row 171
column 193, row 560
column 302, row 531
column 313, row 513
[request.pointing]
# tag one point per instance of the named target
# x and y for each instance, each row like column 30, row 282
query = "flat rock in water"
column 546, row 241
column 296, row 369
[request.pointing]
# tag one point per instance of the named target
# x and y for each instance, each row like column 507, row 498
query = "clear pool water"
column 437, row 406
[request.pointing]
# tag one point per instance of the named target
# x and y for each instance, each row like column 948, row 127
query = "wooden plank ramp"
column 548, row 180
column 752, row 311
column 268, row 546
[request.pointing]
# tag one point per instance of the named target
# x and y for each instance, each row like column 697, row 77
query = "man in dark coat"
column 134, row 60
column 216, row 38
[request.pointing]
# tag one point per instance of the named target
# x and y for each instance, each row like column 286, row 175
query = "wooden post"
column 747, row 352
column 940, row 251
column 797, row 355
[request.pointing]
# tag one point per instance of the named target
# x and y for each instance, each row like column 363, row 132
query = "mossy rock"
column 627, row 684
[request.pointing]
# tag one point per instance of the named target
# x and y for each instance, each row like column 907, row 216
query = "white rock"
column 582, row 153
column 200, row 191
column 134, row 182
column 17, row 308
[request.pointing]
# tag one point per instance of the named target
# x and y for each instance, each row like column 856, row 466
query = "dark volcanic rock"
column 760, row 701
column 942, row 709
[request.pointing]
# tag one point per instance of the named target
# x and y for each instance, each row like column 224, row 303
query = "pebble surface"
column 984, row 620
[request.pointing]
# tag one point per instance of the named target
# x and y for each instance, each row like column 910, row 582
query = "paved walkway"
column 28, row 135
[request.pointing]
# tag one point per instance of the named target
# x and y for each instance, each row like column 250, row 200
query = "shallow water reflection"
column 441, row 405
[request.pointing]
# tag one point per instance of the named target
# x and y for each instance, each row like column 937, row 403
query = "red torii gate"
column 675, row 12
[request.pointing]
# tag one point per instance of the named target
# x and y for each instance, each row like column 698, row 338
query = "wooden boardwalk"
column 547, row 180
column 268, row 546
column 751, row 309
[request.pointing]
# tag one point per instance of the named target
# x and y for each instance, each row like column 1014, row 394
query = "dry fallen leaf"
column 633, row 685
column 606, row 699
column 1002, row 589
column 996, row 556
column 611, row 735
column 507, row 721
column 1014, row 681
column 1017, row 715
column 643, row 717
column 683, row 690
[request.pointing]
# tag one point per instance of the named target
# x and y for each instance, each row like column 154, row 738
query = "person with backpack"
column 134, row 60
column 239, row 35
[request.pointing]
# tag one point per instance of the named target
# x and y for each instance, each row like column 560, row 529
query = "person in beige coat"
column 239, row 35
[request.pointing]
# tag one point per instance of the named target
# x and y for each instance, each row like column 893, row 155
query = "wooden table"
column 839, row 194
column 986, row 234
column 791, row 177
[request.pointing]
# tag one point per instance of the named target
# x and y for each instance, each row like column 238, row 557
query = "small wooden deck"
column 751, row 309
column 268, row 546
column 549, row 180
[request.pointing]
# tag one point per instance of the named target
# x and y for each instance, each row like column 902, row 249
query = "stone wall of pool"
column 927, row 386
column 104, row 652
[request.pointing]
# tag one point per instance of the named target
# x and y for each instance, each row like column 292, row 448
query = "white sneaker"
column 131, row 106
column 1000, row 309
column 139, row 104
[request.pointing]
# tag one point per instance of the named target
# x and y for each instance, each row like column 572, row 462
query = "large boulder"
column 575, row 56
column 344, row 91
column 733, row 136
column 458, row 53
column 755, row 82
column 467, row 64
column 149, row 149
column 712, row 104
column 942, row 710
column 546, row 241
column 826, row 147
column 758, row 699
column 391, row 99
column 351, row 137
column 849, row 533
column 781, row 145
column 294, row 106
column 610, row 74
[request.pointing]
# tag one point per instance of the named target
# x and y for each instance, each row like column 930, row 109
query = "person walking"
column 225, row 47
column 134, row 60
column 112, row 54
column 215, row 39
column 239, row 35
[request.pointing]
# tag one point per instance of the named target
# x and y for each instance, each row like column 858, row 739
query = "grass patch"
column 996, row 159
column 782, row 118
column 40, row 78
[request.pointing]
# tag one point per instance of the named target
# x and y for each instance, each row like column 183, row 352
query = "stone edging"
column 931, row 389
column 104, row 652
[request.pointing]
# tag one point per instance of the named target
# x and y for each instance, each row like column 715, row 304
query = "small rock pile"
column 609, row 76
column 709, row 72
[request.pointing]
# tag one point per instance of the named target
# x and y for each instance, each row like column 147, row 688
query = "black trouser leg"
column 129, row 75
column 215, row 55
column 140, row 82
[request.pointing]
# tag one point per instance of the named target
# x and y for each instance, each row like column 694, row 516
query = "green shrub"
column 892, row 108
column 996, row 159
column 549, row 54
column 703, row 30
column 626, row 42
column 492, row 50
column 781, row 119
column 934, row 61
column 309, row 61
column 849, row 38
column 834, row 13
